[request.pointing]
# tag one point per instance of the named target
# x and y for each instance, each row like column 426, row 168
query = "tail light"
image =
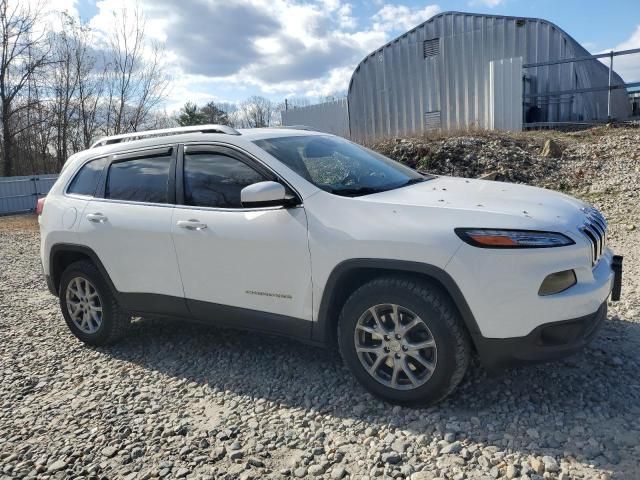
column 40, row 205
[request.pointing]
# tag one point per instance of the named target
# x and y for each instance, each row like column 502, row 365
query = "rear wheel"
column 89, row 306
column 403, row 340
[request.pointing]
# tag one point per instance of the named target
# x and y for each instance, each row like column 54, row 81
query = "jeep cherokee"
column 308, row 235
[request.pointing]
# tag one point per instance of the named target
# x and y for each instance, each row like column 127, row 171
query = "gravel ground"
column 186, row 401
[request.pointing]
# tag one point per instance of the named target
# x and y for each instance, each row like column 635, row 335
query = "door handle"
column 191, row 225
column 96, row 218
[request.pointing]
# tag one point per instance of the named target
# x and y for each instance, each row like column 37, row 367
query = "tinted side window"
column 139, row 180
column 86, row 180
column 213, row 180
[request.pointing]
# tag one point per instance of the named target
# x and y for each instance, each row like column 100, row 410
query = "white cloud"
column 49, row 13
column 400, row 17
column 197, row 89
column 345, row 16
column 627, row 66
column 486, row 3
column 221, row 50
column 632, row 42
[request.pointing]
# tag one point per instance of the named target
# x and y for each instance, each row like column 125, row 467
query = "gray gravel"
column 186, row 401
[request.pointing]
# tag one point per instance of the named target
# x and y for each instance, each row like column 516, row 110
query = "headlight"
column 499, row 238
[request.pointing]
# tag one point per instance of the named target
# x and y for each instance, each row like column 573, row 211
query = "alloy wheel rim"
column 84, row 305
column 395, row 346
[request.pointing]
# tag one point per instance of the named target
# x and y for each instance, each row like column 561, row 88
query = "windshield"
column 339, row 166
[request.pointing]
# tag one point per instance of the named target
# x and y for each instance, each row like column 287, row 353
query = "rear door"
column 128, row 225
column 250, row 259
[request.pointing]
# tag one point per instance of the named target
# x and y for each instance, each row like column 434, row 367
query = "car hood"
column 527, row 207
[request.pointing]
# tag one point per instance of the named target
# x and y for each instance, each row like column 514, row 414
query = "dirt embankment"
column 563, row 161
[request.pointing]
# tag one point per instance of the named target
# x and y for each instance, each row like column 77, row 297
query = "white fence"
column 20, row 194
column 329, row 117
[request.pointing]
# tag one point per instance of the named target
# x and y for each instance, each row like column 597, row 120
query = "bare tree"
column 57, row 95
column 33, row 143
column 136, row 82
column 256, row 112
column 22, row 55
column 160, row 119
column 64, row 81
column 90, row 87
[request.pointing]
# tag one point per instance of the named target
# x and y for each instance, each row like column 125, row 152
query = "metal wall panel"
column 505, row 94
column 394, row 87
column 330, row 117
column 20, row 194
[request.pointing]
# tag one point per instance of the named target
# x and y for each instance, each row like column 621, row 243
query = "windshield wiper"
column 413, row 181
column 357, row 191
column 354, row 192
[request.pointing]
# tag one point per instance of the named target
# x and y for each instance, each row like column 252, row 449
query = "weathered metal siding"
column 505, row 88
column 20, row 194
column 330, row 117
column 394, row 87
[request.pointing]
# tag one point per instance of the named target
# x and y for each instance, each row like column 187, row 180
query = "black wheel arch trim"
column 134, row 302
column 74, row 248
column 322, row 328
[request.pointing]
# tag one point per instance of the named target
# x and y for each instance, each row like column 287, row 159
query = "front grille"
column 595, row 229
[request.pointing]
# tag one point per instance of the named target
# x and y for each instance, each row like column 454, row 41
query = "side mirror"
column 264, row 194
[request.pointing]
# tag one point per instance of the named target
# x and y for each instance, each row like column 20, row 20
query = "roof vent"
column 431, row 47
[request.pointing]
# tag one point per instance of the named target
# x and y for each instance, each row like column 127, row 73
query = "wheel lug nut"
column 398, row 337
column 404, row 348
column 397, row 355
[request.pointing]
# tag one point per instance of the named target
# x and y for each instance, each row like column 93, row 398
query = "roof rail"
column 165, row 131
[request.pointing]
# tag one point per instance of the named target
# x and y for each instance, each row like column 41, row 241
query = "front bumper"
column 548, row 341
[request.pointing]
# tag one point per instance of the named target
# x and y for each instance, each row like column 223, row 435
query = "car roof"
column 190, row 135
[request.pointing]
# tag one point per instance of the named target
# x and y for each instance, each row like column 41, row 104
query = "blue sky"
column 227, row 50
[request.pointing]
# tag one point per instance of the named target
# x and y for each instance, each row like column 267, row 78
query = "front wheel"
column 403, row 340
column 89, row 306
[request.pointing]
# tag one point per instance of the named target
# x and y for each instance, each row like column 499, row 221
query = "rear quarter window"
column 139, row 180
column 86, row 180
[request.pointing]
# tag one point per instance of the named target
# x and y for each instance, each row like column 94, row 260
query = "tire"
column 112, row 322
column 435, row 371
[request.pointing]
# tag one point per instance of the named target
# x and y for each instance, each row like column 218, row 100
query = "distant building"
column 438, row 76
column 464, row 70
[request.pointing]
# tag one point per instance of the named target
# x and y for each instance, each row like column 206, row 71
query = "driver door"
column 236, row 262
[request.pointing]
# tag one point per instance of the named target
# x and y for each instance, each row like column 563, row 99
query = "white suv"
column 308, row 235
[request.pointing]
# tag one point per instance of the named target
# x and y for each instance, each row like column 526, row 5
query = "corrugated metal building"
column 329, row 117
column 438, row 76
